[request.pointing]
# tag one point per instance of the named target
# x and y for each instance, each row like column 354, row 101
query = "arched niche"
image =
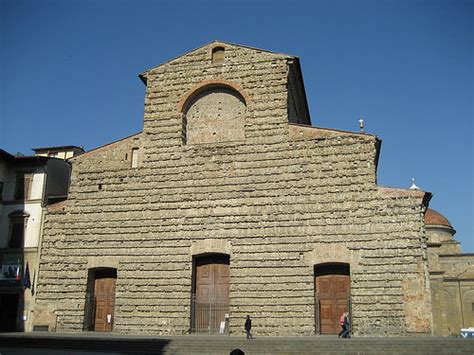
column 214, row 113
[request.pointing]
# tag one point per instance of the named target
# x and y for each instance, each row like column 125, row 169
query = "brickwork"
column 274, row 199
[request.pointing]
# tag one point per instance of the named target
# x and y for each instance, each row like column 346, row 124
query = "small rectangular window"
column 17, row 231
column 218, row 54
column 23, row 186
column 134, row 157
column 1, row 190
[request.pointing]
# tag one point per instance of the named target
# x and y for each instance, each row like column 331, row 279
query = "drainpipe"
column 462, row 306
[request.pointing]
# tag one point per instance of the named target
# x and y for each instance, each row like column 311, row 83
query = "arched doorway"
column 332, row 296
column 210, row 301
column 100, row 300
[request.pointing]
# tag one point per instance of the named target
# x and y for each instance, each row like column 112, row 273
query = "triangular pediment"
column 203, row 53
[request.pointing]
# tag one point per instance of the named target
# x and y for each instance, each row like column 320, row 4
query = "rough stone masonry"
column 228, row 163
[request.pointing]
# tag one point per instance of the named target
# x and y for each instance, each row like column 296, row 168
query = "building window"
column 218, row 54
column 1, row 190
column 134, row 157
column 24, row 182
column 18, row 221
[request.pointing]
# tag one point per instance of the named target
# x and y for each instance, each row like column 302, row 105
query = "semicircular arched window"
column 216, row 114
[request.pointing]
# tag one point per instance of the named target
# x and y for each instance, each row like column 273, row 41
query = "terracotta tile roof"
column 107, row 145
column 320, row 132
column 435, row 218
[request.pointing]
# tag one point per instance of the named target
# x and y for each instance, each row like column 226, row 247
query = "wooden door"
column 332, row 292
column 104, row 294
column 212, row 292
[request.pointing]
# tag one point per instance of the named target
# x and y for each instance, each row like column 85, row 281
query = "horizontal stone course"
column 274, row 196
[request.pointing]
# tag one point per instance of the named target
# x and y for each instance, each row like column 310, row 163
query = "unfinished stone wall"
column 89, row 227
column 271, row 199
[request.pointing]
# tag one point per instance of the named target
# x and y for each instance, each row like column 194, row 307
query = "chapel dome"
column 433, row 217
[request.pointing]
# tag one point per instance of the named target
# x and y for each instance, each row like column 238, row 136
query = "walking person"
column 248, row 327
column 347, row 327
column 341, row 322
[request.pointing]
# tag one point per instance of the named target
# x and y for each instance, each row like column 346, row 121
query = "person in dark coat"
column 248, row 327
column 341, row 322
column 347, row 328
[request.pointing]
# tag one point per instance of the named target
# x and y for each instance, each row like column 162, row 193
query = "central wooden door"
column 211, row 292
column 332, row 290
column 104, row 295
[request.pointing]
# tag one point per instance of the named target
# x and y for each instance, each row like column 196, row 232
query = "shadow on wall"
column 14, row 277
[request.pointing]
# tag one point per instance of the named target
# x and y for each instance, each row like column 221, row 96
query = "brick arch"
column 206, row 84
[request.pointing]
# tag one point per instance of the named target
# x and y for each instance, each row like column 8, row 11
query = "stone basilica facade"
column 230, row 203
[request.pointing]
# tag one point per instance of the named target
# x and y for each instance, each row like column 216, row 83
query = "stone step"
column 82, row 343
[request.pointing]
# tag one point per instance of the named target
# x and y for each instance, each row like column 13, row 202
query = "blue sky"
column 68, row 75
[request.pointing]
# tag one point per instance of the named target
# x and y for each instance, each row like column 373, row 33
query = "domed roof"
column 435, row 218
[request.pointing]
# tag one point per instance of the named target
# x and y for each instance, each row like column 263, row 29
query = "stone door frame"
column 100, row 299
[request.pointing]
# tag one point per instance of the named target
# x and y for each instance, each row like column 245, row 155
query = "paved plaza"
column 99, row 343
